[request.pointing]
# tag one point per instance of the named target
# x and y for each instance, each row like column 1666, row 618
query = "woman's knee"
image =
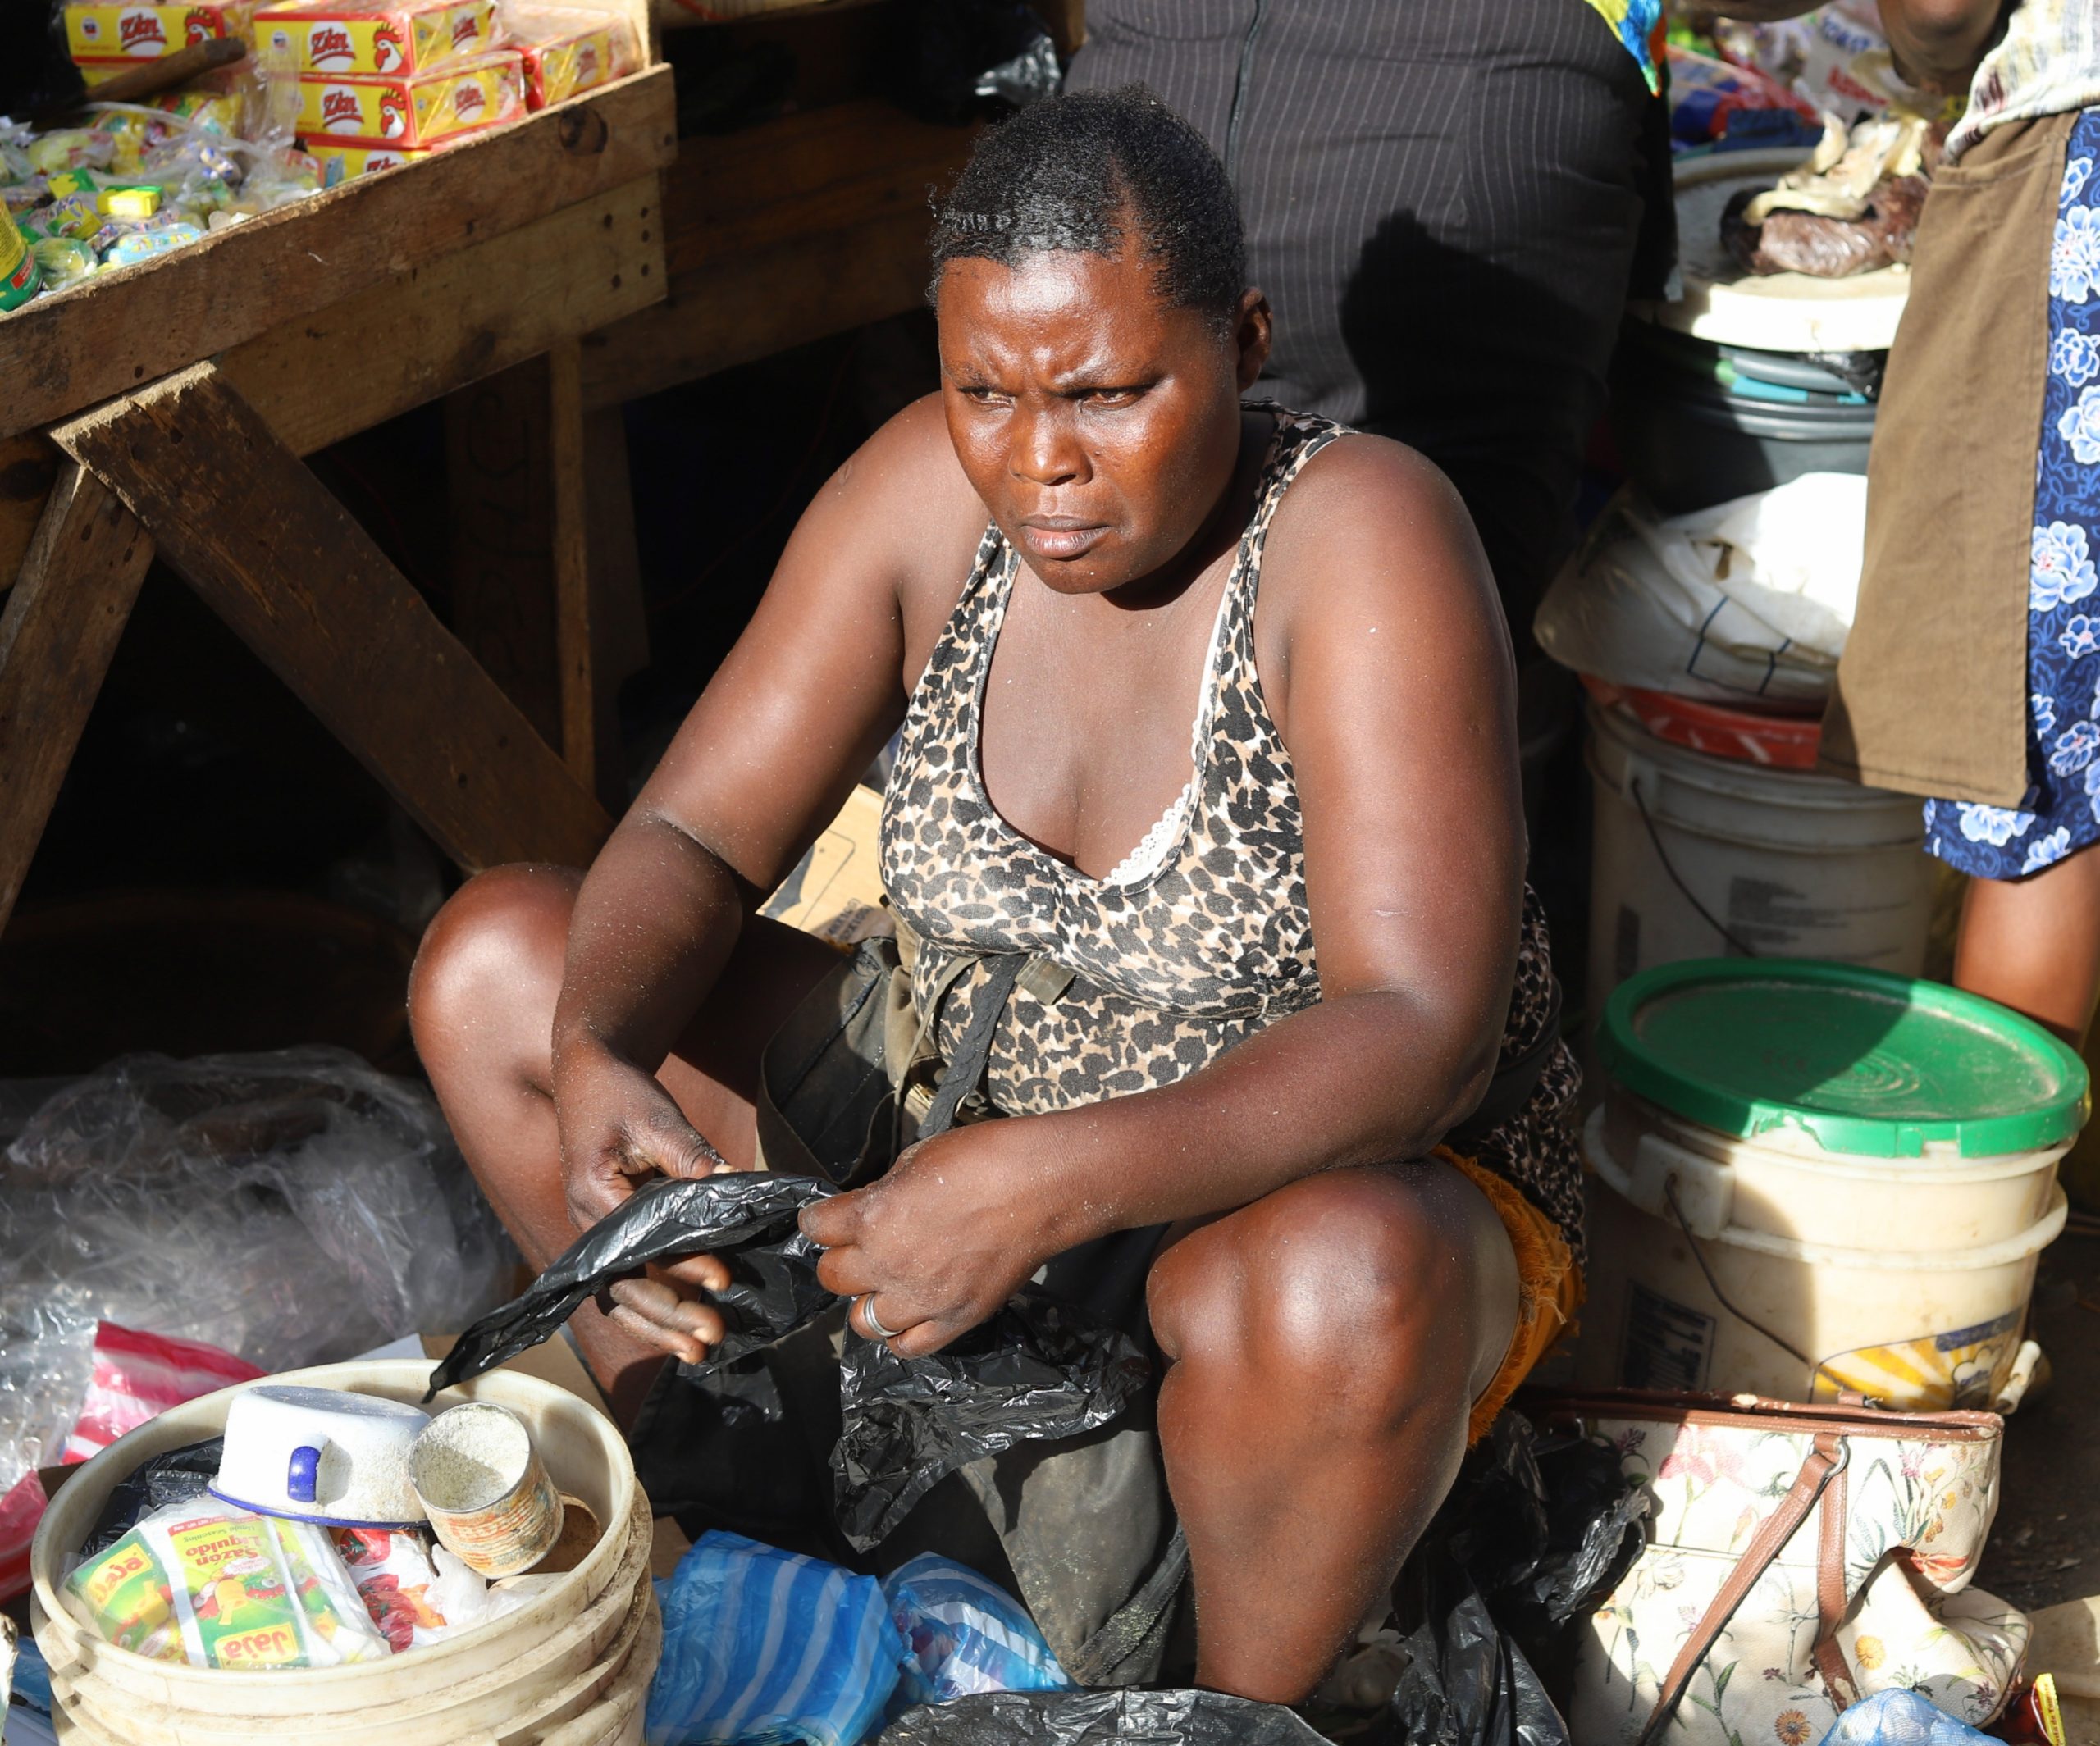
column 490, row 967
column 1348, row 1279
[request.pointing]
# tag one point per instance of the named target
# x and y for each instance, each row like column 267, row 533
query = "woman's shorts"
column 2061, row 811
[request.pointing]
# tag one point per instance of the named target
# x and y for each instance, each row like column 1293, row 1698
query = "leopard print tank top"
column 1202, row 941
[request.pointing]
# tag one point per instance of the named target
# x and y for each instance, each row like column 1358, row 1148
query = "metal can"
column 486, row 1492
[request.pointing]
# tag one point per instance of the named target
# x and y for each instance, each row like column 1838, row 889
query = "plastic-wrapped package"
column 293, row 1208
column 395, row 1577
column 1102, row 1718
column 762, row 1645
column 964, row 1633
column 221, row 1587
column 1039, row 1369
column 1749, row 599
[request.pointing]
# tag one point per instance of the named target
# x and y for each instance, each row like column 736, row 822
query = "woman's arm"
column 806, row 699
column 1386, row 664
column 1936, row 44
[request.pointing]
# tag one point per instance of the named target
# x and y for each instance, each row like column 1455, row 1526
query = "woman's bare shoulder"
column 891, row 532
column 904, row 490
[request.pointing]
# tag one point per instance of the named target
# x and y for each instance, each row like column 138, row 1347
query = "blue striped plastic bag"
column 766, row 1648
column 963, row 1634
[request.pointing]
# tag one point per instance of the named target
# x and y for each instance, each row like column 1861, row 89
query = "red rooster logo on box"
column 386, row 50
column 200, row 24
column 393, row 114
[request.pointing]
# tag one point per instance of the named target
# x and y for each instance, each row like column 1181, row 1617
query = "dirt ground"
column 2046, row 1546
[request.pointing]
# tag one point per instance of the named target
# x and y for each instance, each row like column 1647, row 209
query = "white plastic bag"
column 1747, row 602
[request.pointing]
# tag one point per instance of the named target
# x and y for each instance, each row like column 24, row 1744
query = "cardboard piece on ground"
column 2065, row 1642
column 835, row 890
column 669, row 1546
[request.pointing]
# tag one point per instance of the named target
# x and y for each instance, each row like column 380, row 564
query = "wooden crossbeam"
column 69, row 606
column 262, row 542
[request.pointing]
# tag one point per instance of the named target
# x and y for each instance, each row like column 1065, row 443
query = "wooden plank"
column 755, row 304
column 496, row 469
column 57, row 633
column 619, row 616
column 576, row 675
column 306, row 587
column 802, row 175
column 29, row 467
column 371, row 356
column 106, row 336
column 780, row 235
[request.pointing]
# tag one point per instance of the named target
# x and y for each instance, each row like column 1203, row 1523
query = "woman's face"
column 1100, row 424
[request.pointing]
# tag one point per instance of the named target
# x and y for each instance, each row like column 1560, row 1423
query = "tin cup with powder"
column 488, row 1495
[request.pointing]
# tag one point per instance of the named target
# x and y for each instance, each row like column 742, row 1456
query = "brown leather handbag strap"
column 1827, row 1456
column 1838, row 1682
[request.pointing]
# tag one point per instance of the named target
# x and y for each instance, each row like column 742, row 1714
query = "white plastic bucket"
column 1783, row 863
column 555, row 1664
column 1934, row 1324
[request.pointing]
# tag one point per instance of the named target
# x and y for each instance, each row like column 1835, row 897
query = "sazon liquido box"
column 98, row 31
column 418, row 110
column 352, row 41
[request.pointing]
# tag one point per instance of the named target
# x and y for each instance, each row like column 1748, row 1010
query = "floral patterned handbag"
column 1800, row 1559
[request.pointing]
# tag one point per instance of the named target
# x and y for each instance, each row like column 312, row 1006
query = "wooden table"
column 163, row 409
column 539, row 278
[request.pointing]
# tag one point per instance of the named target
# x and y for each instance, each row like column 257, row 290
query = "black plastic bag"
column 959, row 59
column 175, row 1476
column 1532, row 1533
column 1039, row 1369
column 1099, row 1718
column 747, row 1218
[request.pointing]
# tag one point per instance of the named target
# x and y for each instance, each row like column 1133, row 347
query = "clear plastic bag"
column 295, row 1208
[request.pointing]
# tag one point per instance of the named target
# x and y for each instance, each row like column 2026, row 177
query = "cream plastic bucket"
column 1790, row 864
column 1920, row 1325
column 535, row 1675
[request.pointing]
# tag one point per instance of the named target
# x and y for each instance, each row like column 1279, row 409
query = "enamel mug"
column 320, row 1455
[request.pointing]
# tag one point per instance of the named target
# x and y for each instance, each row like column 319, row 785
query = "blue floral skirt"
column 2061, row 811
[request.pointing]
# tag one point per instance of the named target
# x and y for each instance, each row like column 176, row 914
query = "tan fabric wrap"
column 1931, row 696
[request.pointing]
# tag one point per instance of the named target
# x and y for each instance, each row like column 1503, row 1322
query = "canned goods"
column 486, row 1492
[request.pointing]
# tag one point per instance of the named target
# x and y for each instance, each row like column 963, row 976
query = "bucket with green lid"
column 1816, row 1177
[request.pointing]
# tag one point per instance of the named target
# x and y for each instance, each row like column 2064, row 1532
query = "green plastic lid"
column 1868, row 1064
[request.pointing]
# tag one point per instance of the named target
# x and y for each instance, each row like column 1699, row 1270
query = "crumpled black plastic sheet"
column 1099, row 1718
column 748, row 1219
column 1040, row 1369
column 173, row 1476
column 1535, row 1529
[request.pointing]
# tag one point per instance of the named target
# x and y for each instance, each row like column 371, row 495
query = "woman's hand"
column 619, row 1128
column 941, row 1241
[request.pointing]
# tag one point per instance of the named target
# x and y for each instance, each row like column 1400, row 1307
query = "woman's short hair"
column 1067, row 175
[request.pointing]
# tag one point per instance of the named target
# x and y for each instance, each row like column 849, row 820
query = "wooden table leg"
column 545, row 588
column 69, row 603
column 264, row 545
